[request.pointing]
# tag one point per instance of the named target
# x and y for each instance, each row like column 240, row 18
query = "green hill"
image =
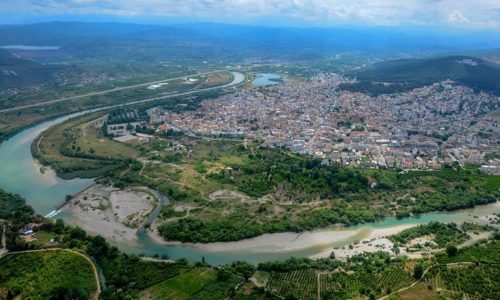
column 56, row 274
column 403, row 75
column 20, row 73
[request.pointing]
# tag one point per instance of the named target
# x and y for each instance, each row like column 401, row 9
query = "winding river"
column 21, row 174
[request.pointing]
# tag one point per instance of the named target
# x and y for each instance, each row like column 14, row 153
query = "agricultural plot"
column 302, row 284
column 339, row 286
column 476, row 281
column 183, row 286
column 140, row 273
column 392, row 278
column 487, row 251
column 344, row 286
column 47, row 275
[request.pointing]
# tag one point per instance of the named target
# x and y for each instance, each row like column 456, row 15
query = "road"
column 238, row 78
column 107, row 91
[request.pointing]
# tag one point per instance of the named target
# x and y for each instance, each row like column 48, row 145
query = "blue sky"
column 478, row 14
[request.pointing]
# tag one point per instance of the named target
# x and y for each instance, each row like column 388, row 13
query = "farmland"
column 47, row 274
column 196, row 283
column 303, row 284
column 477, row 281
column 469, row 272
column 314, row 284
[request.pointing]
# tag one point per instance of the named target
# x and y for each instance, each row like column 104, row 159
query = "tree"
column 332, row 255
column 243, row 268
column 451, row 250
column 223, row 274
column 77, row 233
column 418, row 271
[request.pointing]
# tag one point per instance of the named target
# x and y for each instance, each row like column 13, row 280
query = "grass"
column 183, row 286
column 89, row 136
column 216, row 79
column 492, row 183
column 77, row 148
column 261, row 278
column 420, row 291
column 45, row 275
column 43, row 238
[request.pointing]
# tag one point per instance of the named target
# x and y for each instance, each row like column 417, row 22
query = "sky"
column 475, row 14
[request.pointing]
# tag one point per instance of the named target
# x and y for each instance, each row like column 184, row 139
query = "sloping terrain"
column 403, row 75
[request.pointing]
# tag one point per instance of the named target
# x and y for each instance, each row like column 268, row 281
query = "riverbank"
column 376, row 240
column 275, row 242
column 115, row 214
column 372, row 237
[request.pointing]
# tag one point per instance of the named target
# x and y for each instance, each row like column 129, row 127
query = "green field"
column 197, row 283
column 47, row 274
column 366, row 275
column 77, row 148
column 476, row 281
column 302, row 284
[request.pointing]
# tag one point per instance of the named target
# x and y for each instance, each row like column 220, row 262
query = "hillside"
column 403, row 75
column 21, row 73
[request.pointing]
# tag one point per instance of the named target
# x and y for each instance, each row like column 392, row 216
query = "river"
column 21, row 174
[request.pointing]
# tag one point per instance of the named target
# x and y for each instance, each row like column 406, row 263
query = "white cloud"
column 480, row 13
column 456, row 17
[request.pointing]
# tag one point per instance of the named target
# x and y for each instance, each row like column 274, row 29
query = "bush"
column 451, row 250
column 418, row 271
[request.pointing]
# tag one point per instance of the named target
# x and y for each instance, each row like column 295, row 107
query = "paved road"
column 103, row 92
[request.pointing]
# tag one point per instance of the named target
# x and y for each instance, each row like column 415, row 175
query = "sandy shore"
column 112, row 213
column 375, row 241
column 324, row 241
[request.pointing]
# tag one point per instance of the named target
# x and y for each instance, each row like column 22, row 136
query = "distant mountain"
column 403, row 75
column 222, row 41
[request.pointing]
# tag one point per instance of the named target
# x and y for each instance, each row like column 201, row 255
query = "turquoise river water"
column 21, row 174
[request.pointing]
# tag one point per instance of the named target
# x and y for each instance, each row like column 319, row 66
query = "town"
column 425, row 128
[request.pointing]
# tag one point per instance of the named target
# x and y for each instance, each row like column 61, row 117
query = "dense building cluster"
column 424, row 128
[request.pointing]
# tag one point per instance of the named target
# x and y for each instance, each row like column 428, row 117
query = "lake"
column 30, row 48
column 267, row 79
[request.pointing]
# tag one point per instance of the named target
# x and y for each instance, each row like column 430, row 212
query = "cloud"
column 480, row 13
column 456, row 17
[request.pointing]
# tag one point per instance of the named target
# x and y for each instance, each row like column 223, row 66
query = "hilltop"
column 407, row 74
